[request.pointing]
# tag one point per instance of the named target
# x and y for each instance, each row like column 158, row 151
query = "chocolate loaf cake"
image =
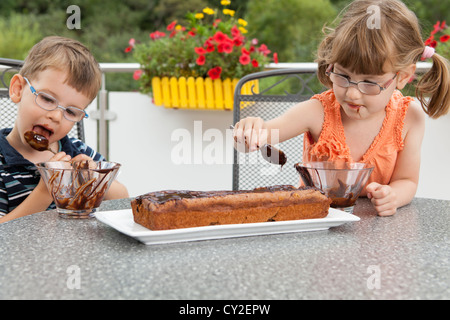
column 173, row 209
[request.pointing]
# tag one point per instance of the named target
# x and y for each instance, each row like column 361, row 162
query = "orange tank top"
column 382, row 153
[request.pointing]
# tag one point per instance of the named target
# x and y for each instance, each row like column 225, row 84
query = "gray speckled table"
column 402, row 257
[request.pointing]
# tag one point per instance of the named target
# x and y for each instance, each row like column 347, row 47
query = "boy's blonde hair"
column 366, row 43
column 64, row 54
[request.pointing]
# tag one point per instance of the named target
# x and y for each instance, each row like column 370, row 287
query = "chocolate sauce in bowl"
column 349, row 201
column 341, row 196
column 86, row 187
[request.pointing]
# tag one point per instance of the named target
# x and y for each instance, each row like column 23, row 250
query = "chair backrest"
column 272, row 94
column 8, row 110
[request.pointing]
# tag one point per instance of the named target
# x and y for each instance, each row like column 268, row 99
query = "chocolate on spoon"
column 37, row 141
column 273, row 155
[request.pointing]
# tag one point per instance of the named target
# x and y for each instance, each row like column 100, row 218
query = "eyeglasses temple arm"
column 31, row 87
column 387, row 84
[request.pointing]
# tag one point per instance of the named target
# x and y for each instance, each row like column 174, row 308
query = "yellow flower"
column 242, row 22
column 208, row 11
column 243, row 30
column 229, row 12
column 179, row 27
column 199, row 16
column 225, row 2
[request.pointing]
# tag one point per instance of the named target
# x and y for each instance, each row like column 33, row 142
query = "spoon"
column 37, row 141
column 272, row 154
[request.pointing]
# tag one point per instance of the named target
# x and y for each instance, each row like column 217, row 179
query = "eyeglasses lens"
column 49, row 103
column 364, row 87
column 369, row 88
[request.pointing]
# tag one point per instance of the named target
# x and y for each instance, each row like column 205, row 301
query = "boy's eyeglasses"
column 365, row 87
column 47, row 102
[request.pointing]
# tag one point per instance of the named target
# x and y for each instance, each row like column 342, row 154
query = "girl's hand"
column 383, row 197
column 249, row 133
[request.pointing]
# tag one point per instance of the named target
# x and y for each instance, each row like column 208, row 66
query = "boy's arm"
column 116, row 191
column 38, row 200
column 404, row 181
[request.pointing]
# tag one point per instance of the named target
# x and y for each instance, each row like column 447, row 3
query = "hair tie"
column 428, row 52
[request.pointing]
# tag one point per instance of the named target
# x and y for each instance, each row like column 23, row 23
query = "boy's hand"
column 60, row 156
column 81, row 157
column 383, row 197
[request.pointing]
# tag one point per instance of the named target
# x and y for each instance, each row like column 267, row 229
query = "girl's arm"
column 403, row 186
column 253, row 132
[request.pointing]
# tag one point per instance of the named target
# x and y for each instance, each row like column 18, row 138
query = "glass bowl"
column 78, row 188
column 341, row 181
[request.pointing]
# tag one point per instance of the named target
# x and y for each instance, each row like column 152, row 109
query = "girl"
column 363, row 117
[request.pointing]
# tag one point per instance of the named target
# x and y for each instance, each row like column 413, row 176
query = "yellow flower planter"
column 197, row 93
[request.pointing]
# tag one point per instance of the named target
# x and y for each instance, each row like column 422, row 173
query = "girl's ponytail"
column 433, row 90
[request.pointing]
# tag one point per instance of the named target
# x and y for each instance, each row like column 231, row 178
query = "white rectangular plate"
column 122, row 221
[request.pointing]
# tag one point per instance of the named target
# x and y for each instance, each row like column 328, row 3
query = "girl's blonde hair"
column 375, row 34
column 83, row 71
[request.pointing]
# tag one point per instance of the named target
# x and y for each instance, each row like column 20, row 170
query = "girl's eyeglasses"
column 365, row 87
column 47, row 102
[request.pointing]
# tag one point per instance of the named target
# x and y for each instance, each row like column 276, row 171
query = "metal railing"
column 102, row 115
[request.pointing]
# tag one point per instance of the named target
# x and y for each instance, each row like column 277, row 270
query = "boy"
column 58, row 80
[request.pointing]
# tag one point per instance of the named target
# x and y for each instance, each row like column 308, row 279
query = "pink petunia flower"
column 156, row 35
column 172, row 25
column 214, row 73
column 275, row 57
column 201, row 60
column 444, row 38
column 226, row 46
column 263, row 49
column 244, row 59
column 200, row 50
column 137, row 74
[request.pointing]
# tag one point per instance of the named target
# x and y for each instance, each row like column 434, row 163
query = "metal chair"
column 8, row 110
column 268, row 97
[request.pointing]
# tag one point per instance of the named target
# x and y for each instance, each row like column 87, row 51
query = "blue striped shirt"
column 18, row 176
